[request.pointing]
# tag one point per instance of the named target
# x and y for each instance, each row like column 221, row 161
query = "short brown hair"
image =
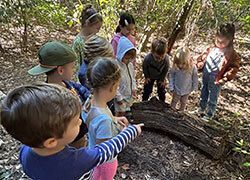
column 102, row 72
column 34, row 113
column 159, row 46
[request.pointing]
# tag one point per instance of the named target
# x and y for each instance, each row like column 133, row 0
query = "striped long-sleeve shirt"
column 72, row 163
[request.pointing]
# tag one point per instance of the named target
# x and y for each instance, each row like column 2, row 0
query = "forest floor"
column 169, row 157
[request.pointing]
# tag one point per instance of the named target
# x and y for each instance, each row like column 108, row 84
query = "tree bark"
column 179, row 26
column 192, row 130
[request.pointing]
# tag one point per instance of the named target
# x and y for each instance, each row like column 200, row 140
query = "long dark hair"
column 89, row 14
column 125, row 20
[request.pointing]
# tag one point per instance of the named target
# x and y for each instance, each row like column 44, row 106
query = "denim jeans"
column 209, row 94
column 149, row 87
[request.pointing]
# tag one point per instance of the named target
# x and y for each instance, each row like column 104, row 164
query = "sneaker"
column 198, row 112
column 207, row 118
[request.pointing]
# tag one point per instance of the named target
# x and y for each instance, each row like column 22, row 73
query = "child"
column 183, row 78
column 124, row 97
column 57, row 60
column 155, row 67
column 125, row 28
column 103, row 77
column 220, row 64
column 91, row 23
column 95, row 47
column 45, row 118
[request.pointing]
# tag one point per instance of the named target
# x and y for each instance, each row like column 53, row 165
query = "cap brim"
column 39, row 70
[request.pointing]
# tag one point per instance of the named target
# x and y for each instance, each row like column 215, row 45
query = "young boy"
column 124, row 97
column 155, row 67
column 57, row 60
column 45, row 118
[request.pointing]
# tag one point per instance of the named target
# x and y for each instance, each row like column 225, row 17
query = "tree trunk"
column 158, row 115
column 179, row 26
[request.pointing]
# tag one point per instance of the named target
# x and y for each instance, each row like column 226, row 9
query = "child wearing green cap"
column 57, row 61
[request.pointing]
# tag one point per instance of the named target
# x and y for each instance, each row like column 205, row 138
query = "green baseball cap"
column 51, row 55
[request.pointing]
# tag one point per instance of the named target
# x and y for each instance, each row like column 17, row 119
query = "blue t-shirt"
column 72, row 163
column 101, row 125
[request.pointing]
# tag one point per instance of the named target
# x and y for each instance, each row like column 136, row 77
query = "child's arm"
column 110, row 149
column 82, row 90
column 202, row 59
column 195, row 79
column 77, row 48
column 107, row 150
column 165, row 70
column 132, row 70
column 114, row 44
column 233, row 68
column 145, row 67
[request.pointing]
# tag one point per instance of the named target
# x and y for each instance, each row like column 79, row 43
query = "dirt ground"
column 154, row 155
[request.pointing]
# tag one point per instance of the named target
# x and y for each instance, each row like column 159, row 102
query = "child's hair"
column 182, row 59
column 90, row 15
column 101, row 72
column 34, row 113
column 226, row 30
column 125, row 20
column 97, row 46
column 159, row 46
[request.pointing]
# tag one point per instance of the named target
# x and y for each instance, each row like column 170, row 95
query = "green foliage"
column 33, row 12
column 236, row 11
column 152, row 16
column 244, row 148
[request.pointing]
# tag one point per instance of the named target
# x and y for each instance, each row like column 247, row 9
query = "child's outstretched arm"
column 110, row 149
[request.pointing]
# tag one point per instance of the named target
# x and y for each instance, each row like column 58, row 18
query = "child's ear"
column 111, row 88
column 50, row 143
column 60, row 70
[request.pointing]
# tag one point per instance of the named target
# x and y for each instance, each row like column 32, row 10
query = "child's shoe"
column 207, row 118
column 198, row 112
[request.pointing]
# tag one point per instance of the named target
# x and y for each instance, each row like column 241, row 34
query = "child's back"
column 103, row 76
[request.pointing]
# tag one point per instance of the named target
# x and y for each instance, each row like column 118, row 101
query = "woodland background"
column 26, row 24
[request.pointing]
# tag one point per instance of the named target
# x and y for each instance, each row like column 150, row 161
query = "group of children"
column 48, row 117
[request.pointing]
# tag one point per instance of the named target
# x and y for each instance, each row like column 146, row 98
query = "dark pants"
column 149, row 87
column 82, row 73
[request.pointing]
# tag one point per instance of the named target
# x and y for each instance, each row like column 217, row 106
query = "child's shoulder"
column 148, row 56
column 96, row 115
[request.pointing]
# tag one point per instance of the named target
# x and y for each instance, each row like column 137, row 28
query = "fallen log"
column 191, row 129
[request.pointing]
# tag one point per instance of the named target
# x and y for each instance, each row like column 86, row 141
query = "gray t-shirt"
column 183, row 82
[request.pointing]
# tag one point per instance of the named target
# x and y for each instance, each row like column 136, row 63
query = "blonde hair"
column 182, row 59
column 97, row 46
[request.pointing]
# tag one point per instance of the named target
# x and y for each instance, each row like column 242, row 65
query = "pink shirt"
column 115, row 40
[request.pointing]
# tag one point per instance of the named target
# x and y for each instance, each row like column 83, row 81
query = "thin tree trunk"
column 179, row 26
